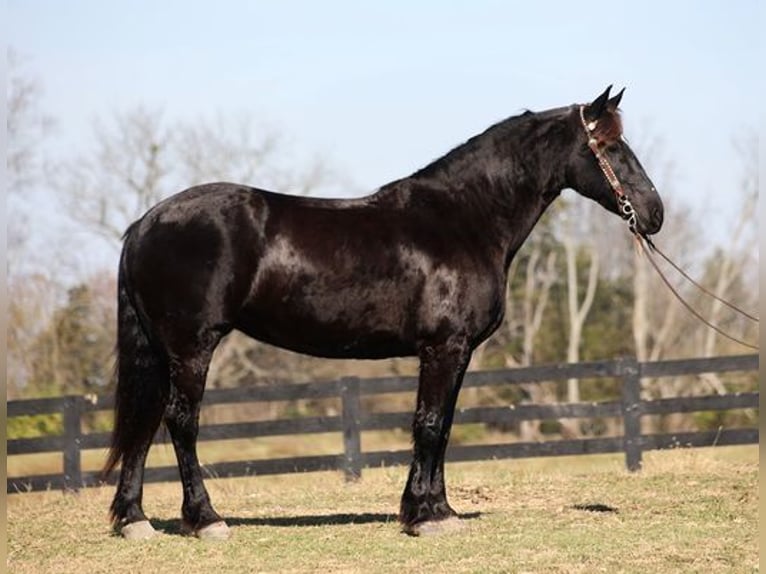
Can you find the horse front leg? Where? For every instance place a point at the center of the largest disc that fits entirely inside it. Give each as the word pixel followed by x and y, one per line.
pixel 424 501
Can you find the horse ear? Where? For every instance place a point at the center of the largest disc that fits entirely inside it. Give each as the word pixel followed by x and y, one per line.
pixel 598 106
pixel 614 102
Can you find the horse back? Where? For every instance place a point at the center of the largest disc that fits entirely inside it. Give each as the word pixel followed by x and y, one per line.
pixel 336 278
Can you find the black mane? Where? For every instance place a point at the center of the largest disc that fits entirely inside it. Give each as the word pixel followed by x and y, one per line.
pixel 499 138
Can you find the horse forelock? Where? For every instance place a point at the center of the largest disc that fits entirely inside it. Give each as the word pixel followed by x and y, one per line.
pixel 609 126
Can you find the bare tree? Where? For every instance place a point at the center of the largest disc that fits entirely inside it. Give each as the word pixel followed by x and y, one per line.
pixel 233 149
pixel 222 150
pixel 736 255
pixel 28 126
pixel 121 177
pixel 540 277
pixel 138 160
pixel 657 326
pixel 32 303
pixel 531 278
pixel 661 328
pixel 578 310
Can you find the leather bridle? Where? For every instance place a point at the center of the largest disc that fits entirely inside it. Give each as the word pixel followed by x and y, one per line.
pixel 624 207
pixel 626 211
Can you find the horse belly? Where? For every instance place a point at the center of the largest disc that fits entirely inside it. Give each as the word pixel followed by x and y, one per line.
pixel 332 320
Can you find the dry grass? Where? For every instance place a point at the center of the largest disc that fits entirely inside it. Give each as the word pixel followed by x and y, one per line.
pixel 688 511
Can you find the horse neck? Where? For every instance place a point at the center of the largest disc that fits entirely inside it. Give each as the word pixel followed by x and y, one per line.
pixel 502 180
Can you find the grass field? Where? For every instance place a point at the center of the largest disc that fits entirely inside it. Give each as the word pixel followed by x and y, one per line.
pixel 687 511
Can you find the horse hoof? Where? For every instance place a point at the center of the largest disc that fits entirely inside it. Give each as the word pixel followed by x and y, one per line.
pixel 434 527
pixel 215 531
pixel 141 530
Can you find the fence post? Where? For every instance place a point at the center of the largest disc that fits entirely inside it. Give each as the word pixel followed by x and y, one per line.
pixel 352 442
pixel 72 435
pixel 631 411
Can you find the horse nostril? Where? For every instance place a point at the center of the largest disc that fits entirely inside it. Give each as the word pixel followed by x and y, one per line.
pixel 656 217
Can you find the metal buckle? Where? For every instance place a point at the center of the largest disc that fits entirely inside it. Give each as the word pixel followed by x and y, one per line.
pixel 627 212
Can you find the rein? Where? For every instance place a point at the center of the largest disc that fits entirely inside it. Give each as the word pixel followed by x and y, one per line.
pixel 644 241
pixel 627 212
pixel 707 292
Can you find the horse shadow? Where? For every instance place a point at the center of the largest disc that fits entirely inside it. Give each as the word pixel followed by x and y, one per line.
pixel 337 519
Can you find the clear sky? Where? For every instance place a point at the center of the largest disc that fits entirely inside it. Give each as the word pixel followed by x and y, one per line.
pixel 381 88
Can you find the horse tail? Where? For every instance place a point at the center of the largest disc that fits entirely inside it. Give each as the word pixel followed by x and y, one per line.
pixel 142 375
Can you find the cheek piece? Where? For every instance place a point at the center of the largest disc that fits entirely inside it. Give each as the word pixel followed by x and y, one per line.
pixel 624 207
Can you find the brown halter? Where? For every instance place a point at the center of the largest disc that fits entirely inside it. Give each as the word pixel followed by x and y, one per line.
pixel 624 206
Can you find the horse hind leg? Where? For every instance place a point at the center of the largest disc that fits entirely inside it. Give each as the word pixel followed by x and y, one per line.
pixel 140 397
pixel 187 377
pixel 127 511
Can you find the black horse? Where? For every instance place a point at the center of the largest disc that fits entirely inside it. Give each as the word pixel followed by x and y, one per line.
pixel 418 268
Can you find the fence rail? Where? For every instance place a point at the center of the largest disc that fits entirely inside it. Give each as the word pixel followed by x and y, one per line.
pixel 353 420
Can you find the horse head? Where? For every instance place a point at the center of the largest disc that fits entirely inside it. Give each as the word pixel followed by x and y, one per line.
pixel 603 168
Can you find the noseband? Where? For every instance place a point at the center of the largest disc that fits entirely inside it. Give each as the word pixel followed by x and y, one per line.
pixel 624 207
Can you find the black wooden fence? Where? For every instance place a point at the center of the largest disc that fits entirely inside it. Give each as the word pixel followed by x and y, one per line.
pixel 352 421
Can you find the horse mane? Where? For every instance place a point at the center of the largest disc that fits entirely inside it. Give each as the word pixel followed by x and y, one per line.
pixel 503 131
pixel 510 134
